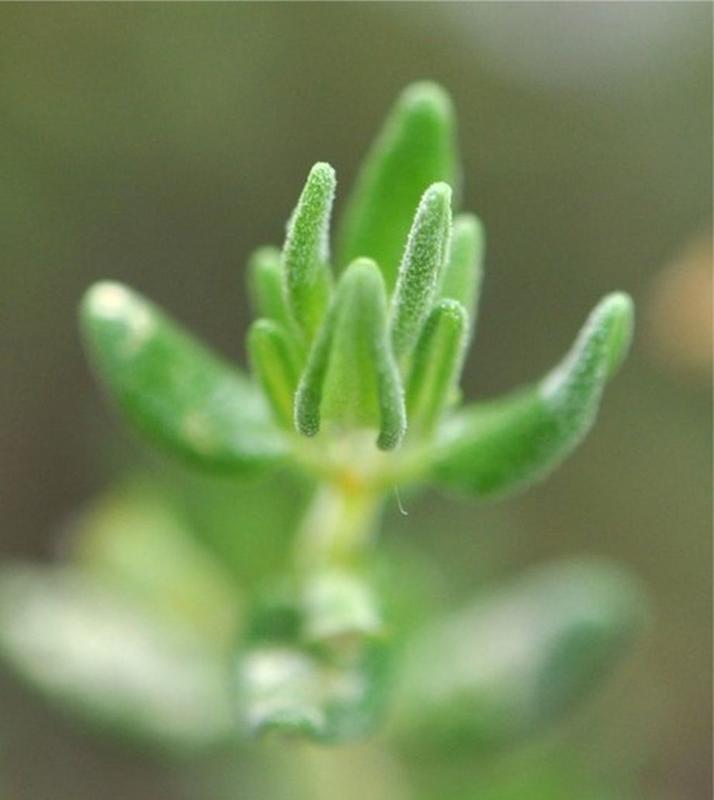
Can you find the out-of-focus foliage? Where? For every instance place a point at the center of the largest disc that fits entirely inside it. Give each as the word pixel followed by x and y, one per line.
pixel 128 154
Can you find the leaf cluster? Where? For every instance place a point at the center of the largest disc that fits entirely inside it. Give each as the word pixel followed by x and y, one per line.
pixel 368 341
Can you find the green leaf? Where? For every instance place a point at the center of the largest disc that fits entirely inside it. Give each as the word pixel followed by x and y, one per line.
pixel 415 149
pixel 436 366
pixel 276 362
pixel 306 250
pixel 134 538
pixel 173 389
pixel 351 380
pixel 519 656
pixel 267 285
pixel 463 273
pixel 419 272
pixel 326 692
pixel 494 447
pixel 93 652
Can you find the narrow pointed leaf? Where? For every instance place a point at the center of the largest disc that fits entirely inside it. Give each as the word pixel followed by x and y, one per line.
pixel 419 272
pixel 462 275
pixel 306 251
pixel 172 388
pixel 415 149
pixel 95 653
pixel 276 363
pixel 518 657
pixel 267 284
pixel 436 365
pixel 495 447
pixel 351 380
pixel 308 398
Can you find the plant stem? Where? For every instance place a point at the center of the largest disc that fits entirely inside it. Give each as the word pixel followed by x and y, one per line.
pixel 338 526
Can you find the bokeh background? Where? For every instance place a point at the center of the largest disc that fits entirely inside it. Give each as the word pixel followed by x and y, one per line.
pixel 159 144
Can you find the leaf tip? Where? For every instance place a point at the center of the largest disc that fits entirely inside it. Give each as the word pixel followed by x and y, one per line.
pixel 323 175
pixel 427 97
pixel 618 312
pixel 105 299
pixel 438 193
pixel 112 306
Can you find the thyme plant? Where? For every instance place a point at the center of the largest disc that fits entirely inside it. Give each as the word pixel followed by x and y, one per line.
pixel 355 361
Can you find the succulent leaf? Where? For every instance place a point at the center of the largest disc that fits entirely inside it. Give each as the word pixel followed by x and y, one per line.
pixel 95 652
pixel 134 538
pixel 415 149
pixel 351 380
pixel 172 388
pixel 306 250
pixel 436 366
pixel 419 272
pixel 519 656
pixel 276 362
pixel 266 282
pixel 463 273
pixel 494 447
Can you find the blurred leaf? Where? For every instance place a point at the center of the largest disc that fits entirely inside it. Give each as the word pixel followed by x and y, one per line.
pixel 328 691
pixel 491 448
pixel 247 526
pixel 534 773
pixel 415 149
pixel 275 361
pixel 289 690
pixel 463 273
pixel 93 652
pixel 134 538
pixel 519 657
pixel 266 283
pixel 172 388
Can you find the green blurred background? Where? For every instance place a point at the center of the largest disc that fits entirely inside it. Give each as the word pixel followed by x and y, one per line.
pixel 159 144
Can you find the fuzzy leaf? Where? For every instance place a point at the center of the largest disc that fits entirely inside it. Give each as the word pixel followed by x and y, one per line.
pixel 306 251
pixel 172 388
pixel 276 363
pixel 351 380
pixel 267 285
pixel 494 447
pixel 436 365
pixel 92 651
pixel 415 149
pixel 519 656
pixel 419 272
pixel 462 275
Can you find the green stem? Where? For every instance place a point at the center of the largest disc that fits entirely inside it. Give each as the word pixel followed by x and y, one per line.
pixel 338 526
